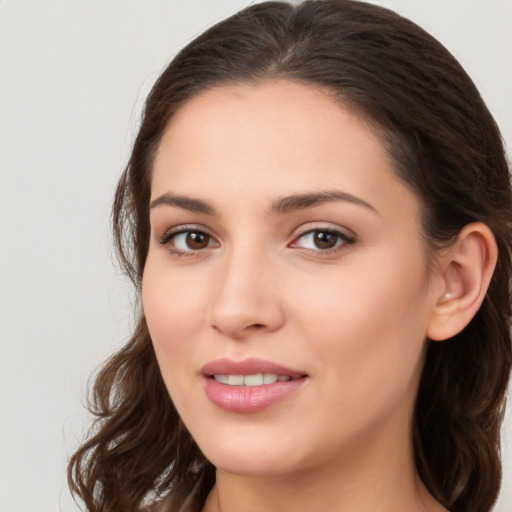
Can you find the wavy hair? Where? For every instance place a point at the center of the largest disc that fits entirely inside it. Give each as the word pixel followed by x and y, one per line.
pixel 445 146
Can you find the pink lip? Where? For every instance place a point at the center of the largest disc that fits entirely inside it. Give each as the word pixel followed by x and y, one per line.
pixel 247 367
pixel 248 399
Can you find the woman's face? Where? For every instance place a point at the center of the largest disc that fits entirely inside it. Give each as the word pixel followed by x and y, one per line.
pixel 284 247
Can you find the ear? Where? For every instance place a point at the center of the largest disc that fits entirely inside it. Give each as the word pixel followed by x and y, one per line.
pixel 465 271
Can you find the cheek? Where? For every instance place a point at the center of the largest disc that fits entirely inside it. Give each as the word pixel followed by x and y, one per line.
pixel 171 297
pixel 367 323
pixel 174 304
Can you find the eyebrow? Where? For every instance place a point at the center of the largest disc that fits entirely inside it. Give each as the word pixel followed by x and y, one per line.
pixel 302 201
pixel 185 202
pixel 279 206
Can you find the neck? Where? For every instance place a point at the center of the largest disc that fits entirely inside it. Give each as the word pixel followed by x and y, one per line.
pixel 378 478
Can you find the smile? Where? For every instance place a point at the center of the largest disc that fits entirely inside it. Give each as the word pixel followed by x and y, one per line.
pixel 251 385
pixel 258 379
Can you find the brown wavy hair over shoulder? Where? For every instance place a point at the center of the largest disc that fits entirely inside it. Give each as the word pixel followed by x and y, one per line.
pixel 446 147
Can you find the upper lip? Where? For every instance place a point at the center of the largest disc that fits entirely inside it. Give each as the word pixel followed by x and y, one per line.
pixel 249 366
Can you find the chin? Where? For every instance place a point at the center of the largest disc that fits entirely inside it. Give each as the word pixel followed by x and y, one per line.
pixel 250 465
pixel 250 456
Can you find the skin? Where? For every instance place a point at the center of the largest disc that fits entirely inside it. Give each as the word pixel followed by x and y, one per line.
pixel 354 318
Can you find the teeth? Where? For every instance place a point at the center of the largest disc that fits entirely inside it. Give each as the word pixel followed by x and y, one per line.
pixel 224 379
pixel 253 380
pixel 270 378
pixel 236 380
pixel 257 379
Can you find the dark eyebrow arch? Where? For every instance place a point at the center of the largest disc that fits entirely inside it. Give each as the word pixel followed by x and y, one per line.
pixel 302 201
pixel 185 202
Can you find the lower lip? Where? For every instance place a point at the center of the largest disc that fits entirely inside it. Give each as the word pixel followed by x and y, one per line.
pixel 247 399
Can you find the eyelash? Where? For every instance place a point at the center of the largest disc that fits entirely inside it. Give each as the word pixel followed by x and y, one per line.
pixel 343 239
pixel 170 235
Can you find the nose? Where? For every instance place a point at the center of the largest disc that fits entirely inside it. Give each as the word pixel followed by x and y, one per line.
pixel 247 298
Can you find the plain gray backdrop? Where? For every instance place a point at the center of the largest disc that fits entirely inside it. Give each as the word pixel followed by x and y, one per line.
pixel 73 76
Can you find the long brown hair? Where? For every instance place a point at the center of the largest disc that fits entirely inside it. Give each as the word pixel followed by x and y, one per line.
pixel 445 146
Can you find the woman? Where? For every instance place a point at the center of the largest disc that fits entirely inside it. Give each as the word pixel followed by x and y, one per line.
pixel 317 214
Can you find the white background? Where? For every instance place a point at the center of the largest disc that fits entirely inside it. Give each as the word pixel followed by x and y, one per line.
pixel 73 75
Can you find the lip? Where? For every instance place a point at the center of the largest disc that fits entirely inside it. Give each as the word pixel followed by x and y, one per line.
pixel 247 367
pixel 249 399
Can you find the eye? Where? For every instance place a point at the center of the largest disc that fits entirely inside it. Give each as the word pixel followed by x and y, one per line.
pixel 322 240
pixel 188 241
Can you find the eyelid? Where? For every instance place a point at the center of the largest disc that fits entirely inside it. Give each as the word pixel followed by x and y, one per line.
pixel 324 226
pixel 183 228
pixel 170 233
pixel 347 236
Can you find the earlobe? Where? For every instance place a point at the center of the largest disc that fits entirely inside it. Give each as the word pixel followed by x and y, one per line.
pixel 465 272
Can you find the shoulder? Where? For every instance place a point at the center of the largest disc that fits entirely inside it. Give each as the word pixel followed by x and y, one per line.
pixel 163 505
pixel 174 502
pixel 170 504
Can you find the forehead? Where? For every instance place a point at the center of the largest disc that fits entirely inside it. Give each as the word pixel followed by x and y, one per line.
pixel 271 139
pixel 281 113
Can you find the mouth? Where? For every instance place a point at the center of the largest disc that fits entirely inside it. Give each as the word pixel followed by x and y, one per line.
pixel 249 372
pixel 257 379
pixel 250 385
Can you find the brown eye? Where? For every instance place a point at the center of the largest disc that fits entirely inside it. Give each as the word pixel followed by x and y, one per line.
pixel 325 239
pixel 197 241
pixel 188 241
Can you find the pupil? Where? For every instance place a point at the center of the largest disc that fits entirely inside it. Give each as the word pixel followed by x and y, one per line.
pixel 197 240
pixel 325 240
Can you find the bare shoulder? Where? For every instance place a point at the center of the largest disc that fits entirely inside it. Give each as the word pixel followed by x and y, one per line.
pixel 171 505
pixel 159 506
